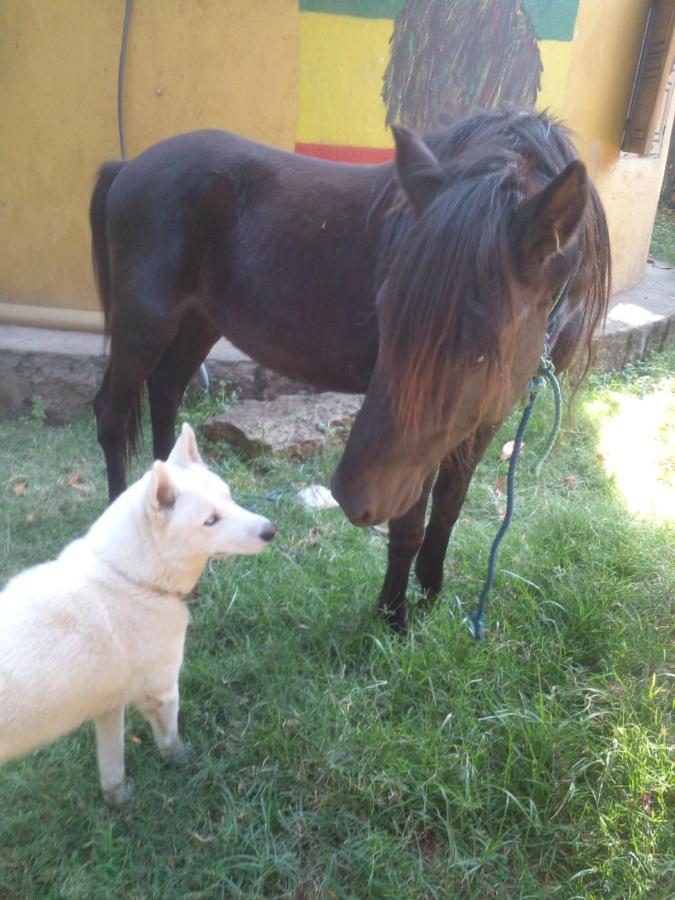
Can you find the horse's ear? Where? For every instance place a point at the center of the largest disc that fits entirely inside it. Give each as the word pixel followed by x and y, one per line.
pixel 544 223
pixel 419 172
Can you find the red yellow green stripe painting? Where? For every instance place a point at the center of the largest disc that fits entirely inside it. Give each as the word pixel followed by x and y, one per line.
pixel 423 63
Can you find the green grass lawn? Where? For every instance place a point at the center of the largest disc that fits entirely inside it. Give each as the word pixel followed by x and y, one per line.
pixel 663 237
pixel 333 760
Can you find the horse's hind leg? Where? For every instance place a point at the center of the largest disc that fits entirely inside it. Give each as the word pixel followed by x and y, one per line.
pixel 167 383
pixel 114 460
pixel 447 499
pixel 114 407
pixel 117 409
pixel 141 332
pixel 405 537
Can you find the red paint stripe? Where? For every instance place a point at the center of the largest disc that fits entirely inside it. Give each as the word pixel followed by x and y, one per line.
pixel 339 153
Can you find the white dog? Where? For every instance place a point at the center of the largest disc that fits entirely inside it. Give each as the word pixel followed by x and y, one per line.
pixel 104 625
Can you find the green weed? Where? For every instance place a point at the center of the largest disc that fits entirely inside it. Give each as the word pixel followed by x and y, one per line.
pixel 663 236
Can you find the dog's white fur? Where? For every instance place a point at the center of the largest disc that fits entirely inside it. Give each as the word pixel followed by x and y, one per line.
pixel 104 625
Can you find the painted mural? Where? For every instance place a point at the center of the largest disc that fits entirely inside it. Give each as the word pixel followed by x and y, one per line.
pixel 451 59
pixel 365 64
pixel 323 77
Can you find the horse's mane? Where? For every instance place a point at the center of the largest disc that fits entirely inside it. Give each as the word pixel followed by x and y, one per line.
pixel 452 270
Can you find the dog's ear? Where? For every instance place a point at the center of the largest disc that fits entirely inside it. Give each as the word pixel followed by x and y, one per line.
pixel 185 452
pixel 161 492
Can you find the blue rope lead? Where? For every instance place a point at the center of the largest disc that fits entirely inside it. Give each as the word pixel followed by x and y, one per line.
pixel 549 375
pixel 546 373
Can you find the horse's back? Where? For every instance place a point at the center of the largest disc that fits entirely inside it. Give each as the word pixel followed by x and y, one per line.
pixel 269 242
pixel 179 167
pixel 176 175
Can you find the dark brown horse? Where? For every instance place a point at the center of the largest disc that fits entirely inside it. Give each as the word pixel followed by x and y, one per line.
pixel 426 283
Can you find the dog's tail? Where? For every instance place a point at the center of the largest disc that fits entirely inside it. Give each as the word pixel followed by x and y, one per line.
pixel 99 234
pixel 101 263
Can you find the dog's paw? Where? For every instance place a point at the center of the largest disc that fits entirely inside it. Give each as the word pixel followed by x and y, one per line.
pixel 119 794
pixel 179 754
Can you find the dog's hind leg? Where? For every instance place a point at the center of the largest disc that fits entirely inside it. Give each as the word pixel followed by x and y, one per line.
pixel 167 384
pixel 110 753
pixel 162 714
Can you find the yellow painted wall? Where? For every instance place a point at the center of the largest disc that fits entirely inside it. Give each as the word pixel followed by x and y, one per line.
pixel 204 63
pixel 340 56
pixel 555 60
pixel 229 64
pixel 605 50
pixel 260 68
pixel 57 121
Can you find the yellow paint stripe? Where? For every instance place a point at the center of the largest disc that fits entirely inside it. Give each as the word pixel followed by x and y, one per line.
pixel 555 58
pixel 342 64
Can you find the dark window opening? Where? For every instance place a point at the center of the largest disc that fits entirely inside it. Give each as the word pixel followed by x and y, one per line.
pixel 654 84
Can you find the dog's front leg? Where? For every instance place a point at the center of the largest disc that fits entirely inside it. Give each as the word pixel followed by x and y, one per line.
pixel 162 714
pixel 110 753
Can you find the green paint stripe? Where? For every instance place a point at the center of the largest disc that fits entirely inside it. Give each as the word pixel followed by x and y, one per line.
pixel 362 9
pixel 552 20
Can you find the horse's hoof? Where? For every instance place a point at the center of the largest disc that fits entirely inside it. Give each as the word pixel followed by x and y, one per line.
pixel 397 619
pixel 430 579
pixel 399 624
pixel 428 598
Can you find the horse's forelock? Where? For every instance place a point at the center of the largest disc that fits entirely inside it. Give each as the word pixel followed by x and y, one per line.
pixel 447 298
pixel 448 277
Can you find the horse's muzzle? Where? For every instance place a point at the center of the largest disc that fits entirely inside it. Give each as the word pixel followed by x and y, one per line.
pixel 364 508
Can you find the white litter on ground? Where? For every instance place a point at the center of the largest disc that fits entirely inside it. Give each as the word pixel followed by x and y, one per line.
pixel 316 496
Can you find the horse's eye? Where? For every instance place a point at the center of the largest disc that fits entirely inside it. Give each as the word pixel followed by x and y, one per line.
pixel 479 360
pixel 212 519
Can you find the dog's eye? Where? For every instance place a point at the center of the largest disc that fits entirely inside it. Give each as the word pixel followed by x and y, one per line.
pixel 212 519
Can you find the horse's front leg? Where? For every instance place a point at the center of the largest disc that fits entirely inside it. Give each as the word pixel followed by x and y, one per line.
pixel 448 495
pixel 405 537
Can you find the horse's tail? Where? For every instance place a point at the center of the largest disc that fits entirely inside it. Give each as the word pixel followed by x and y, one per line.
pixel 99 238
pixel 101 262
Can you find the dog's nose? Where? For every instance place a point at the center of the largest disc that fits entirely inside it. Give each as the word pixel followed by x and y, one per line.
pixel 268 532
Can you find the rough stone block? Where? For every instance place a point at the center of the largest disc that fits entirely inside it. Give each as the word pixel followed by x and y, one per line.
pixel 292 426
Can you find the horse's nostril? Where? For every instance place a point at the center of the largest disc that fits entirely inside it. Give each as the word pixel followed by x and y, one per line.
pixel 352 502
pixel 268 532
pixel 364 518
